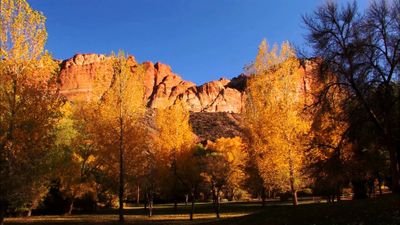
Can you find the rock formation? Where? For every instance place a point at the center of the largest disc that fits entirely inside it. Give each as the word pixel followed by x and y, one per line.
pixel 215 106
pixel 163 87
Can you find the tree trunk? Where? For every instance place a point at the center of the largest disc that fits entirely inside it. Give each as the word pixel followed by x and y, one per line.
pixel 338 198
pixel 371 188
pixel 394 170
pixel 216 201
pixel 192 195
pixel 2 218
pixel 3 208
pixel 138 196
pixel 294 197
pixel 186 199
pixel 175 183
pixel 218 205
pixel 29 213
pixel 398 143
pixel 263 197
pixel 121 174
pixel 338 193
pixel 150 204
pixel 380 186
pixel 359 189
pixel 292 180
pixel 398 167
pixel 70 207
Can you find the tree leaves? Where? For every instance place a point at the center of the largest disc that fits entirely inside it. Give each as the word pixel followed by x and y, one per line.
pixel 276 123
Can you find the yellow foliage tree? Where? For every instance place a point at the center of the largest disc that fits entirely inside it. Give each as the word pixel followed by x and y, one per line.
pixel 233 150
pixel 23 31
pixel 29 105
pixel 76 153
pixel 116 121
pixel 174 139
pixel 224 164
pixel 275 120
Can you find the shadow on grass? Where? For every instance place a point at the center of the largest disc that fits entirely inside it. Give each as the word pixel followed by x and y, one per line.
pixel 383 210
pixel 200 208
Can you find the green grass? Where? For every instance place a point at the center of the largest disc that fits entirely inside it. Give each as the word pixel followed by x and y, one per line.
pixel 380 211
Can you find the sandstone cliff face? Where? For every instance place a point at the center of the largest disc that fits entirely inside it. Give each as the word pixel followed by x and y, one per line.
pixel 163 87
pixel 215 106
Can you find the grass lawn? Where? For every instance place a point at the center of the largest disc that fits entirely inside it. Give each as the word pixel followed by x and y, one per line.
pixel 379 211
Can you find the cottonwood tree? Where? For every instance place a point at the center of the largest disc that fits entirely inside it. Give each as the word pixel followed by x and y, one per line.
pixel 223 168
pixel 148 174
pixel 362 50
pixel 189 173
pixel 115 123
pixel 253 181
pixel 215 168
pixel 275 119
pixel 142 171
pixel 233 150
pixel 76 154
pixel 29 105
pixel 174 139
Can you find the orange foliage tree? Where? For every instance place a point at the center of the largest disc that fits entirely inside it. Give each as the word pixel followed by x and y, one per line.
pixel 118 108
pixel 275 120
pixel 29 106
pixel 174 140
pixel 223 168
pixel 76 153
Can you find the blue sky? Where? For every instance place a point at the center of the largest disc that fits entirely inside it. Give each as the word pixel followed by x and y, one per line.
pixel 201 40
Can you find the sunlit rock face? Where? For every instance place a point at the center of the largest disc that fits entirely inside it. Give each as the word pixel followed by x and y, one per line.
pixel 214 96
pixel 166 88
pixel 162 87
pixel 215 106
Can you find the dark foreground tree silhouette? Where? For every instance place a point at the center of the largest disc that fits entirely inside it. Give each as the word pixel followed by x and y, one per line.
pixel 363 51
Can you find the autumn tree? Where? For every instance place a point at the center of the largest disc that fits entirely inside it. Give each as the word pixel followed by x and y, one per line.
pixel 362 50
pixel 75 153
pixel 189 172
pixel 254 184
pixel 118 111
pixel 275 118
pixel 233 150
pixel 223 168
pixel 215 167
pixel 330 151
pixel 29 105
pixel 142 172
pixel 147 176
pixel 174 139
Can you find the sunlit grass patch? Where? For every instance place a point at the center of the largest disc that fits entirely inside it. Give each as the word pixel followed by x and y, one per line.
pixel 163 214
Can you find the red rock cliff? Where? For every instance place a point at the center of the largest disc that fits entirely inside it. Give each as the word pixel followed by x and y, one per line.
pixel 163 87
